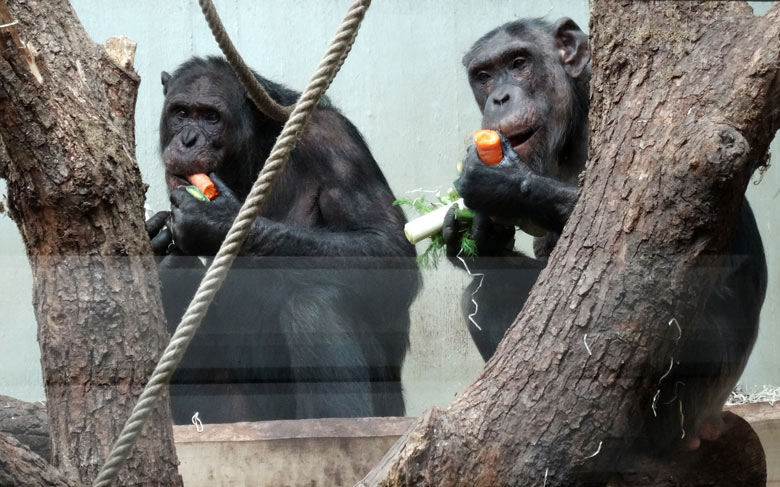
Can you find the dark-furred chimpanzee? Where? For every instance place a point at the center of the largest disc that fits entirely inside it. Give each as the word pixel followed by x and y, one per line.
pixel 530 79
pixel 313 319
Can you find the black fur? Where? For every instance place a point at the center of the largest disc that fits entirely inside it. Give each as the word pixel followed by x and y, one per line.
pixel 313 319
pixel 531 76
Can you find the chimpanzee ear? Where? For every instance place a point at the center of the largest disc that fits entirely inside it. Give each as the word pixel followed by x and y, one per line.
pixel 572 45
pixel 165 78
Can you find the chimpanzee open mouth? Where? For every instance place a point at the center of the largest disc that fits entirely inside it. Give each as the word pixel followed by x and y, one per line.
pixel 522 137
pixel 175 180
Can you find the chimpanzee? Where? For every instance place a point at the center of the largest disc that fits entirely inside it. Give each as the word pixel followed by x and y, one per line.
pixel 313 319
pixel 530 79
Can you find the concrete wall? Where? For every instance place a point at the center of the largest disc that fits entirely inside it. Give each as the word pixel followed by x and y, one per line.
pixel 402 85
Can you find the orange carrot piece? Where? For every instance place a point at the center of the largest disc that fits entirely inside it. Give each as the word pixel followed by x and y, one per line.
pixel 204 184
pixel 488 146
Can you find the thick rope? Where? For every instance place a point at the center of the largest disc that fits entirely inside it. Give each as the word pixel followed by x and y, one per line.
pixel 216 273
pixel 254 89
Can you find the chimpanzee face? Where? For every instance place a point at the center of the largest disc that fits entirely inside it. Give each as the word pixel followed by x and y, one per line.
pixel 522 81
pixel 194 125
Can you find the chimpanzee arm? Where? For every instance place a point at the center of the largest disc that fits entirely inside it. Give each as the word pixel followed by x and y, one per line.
pixel 357 219
pixel 159 235
pixel 348 206
pixel 352 224
pixel 352 210
pixel 274 238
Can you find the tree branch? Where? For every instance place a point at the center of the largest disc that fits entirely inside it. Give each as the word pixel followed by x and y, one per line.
pixel 22 468
pixel 27 423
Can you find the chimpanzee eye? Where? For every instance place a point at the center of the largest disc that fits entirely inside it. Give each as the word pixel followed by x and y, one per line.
pixel 211 116
pixel 182 113
pixel 483 76
pixel 519 62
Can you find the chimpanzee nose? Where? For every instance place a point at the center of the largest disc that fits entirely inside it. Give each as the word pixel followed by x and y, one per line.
pixel 189 137
pixel 501 99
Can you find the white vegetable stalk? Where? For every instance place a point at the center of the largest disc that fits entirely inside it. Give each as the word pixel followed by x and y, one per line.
pixel 428 224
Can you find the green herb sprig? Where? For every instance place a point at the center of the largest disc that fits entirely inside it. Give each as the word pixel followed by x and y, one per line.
pixel 435 251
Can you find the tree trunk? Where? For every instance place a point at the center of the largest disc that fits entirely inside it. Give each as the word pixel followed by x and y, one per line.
pixel 685 100
pixel 75 191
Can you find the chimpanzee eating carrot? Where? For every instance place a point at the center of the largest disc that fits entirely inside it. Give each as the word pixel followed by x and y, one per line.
pixel 530 79
pixel 313 319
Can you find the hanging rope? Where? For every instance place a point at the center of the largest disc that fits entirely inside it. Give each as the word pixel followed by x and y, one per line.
pixel 216 273
pixel 254 89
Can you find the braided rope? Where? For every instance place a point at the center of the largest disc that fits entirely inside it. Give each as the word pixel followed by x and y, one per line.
pixel 254 89
pixel 216 273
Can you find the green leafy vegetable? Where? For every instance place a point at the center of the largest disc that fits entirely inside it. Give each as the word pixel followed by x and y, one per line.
pixel 435 251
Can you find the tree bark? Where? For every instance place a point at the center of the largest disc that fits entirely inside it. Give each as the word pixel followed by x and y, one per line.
pixel 75 191
pixel 27 423
pixel 20 467
pixel 685 100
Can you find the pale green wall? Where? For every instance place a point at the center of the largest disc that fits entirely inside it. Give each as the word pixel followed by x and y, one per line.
pixel 403 86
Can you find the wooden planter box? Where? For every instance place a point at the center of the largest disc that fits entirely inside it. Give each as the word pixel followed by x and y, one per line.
pixel 306 452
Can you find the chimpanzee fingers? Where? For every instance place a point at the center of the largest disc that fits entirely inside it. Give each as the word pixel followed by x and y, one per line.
pixel 156 222
pixel 506 146
pixel 450 233
pixel 162 241
pixel 181 197
pixel 471 159
pixel 179 227
pixel 510 156
pixel 480 232
pixel 491 238
pixel 223 188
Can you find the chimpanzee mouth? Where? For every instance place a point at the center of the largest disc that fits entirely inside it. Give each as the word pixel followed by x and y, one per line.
pixel 175 180
pixel 520 138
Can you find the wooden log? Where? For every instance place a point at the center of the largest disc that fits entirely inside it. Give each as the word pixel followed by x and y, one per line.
pixel 20 467
pixel 28 423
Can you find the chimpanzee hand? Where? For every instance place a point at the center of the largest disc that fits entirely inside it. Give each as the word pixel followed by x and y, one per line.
pixel 199 227
pixel 492 239
pixel 159 234
pixel 494 190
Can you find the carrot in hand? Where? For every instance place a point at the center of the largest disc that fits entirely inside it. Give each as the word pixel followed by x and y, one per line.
pixel 204 184
pixel 489 151
pixel 488 146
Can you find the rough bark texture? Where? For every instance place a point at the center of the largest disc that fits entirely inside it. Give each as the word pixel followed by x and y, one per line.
pixel 26 422
pixel 19 467
pixel 685 100
pixel 75 191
